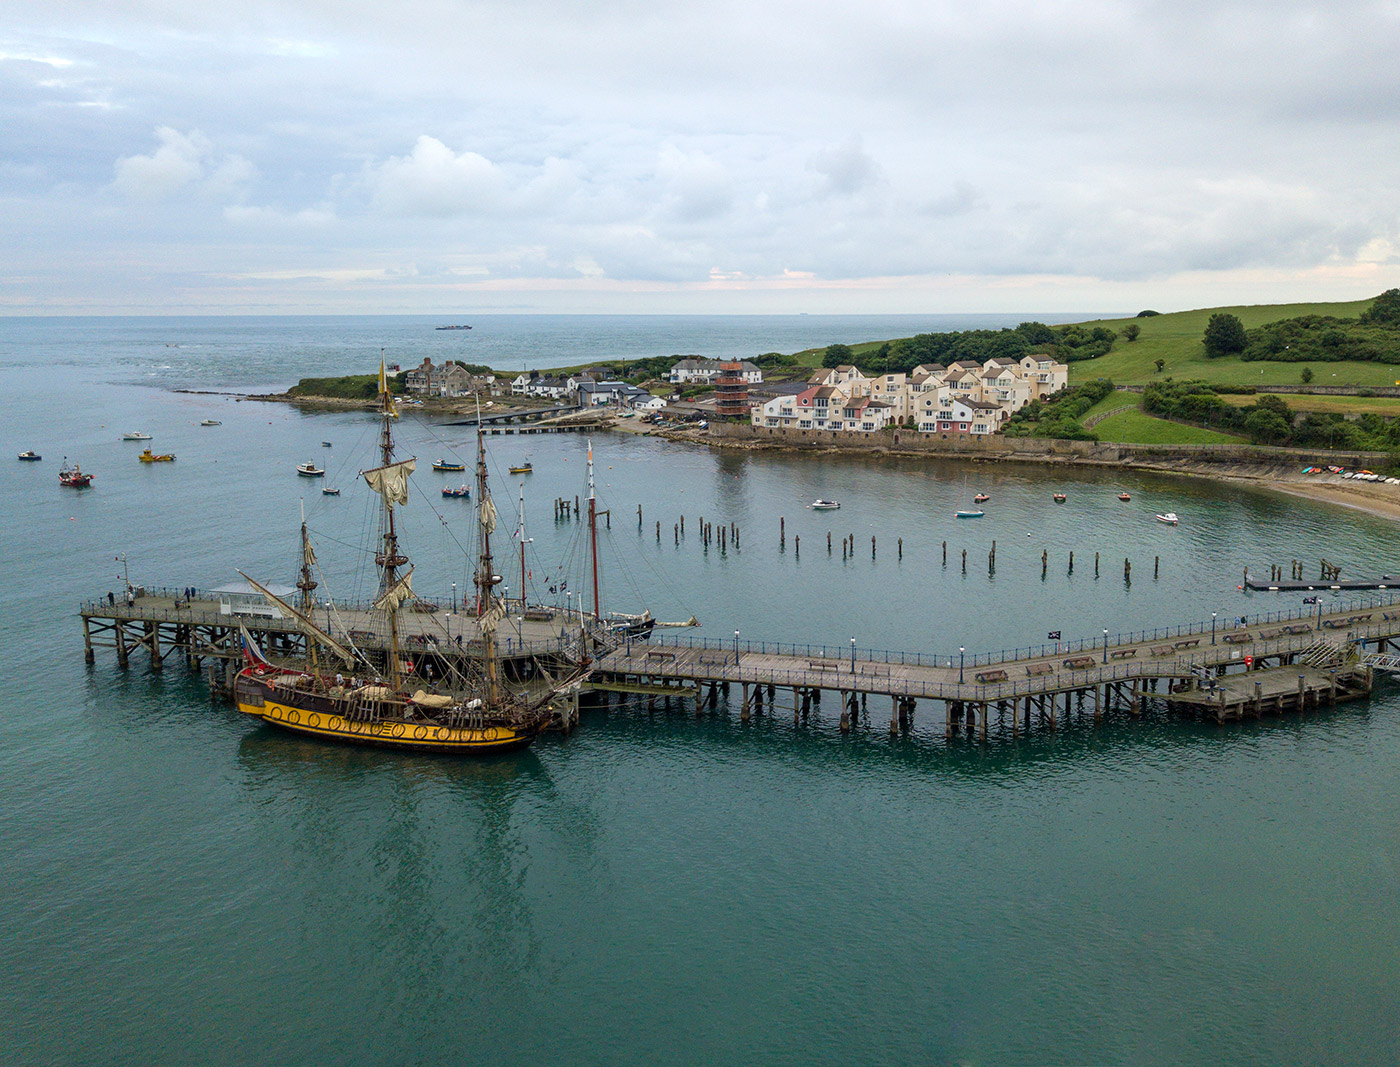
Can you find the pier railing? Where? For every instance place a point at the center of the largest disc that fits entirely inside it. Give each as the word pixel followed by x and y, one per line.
pixel 1219 626
pixel 863 678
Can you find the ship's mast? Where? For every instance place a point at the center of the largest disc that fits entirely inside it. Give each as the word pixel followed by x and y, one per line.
pixel 593 534
pixel 486 577
pixel 523 542
pixel 389 558
pixel 307 584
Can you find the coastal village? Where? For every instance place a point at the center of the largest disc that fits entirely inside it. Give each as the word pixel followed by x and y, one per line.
pixel 964 397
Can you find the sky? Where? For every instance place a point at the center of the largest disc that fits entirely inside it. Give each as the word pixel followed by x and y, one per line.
pixel 696 156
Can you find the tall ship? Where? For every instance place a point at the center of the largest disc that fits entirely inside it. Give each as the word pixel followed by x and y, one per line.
pixel 475 710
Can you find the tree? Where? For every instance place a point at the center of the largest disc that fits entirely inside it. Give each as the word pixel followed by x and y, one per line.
pixel 1266 427
pixel 838 355
pixel 1131 331
pixel 1307 375
pixel 1224 335
pixel 1160 364
pixel 1385 311
pixel 1147 314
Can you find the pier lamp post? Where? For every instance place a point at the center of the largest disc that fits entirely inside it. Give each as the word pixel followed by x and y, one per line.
pixel 736 648
pixel 962 652
pixel 853 655
pixel 1105 644
pixel 454 598
pixel 1212 627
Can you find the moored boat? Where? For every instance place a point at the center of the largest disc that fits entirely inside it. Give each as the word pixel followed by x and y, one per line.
pixel 1124 497
pixel 447 465
pixel 73 476
pixel 136 435
pixel 156 457
pixel 30 456
pixel 1168 517
pixel 461 491
pixel 328 491
pixel 211 422
pixel 522 468
pixel 969 514
pixel 823 505
pixel 1059 498
pixel 981 498
pixel 310 470
pixel 480 713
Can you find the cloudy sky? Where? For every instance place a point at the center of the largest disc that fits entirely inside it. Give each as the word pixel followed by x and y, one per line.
pixel 721 156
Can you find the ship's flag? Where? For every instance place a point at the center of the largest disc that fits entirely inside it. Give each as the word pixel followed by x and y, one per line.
pixel 252 655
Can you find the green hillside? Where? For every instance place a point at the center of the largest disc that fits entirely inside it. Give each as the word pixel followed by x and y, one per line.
pixel 1175 338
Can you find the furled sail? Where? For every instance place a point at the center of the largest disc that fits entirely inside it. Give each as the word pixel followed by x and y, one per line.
pixel 491 618
pixel 389 407
pixel 396 594
pixel 308 627
pixel 488 515
pixel 391 482
pixel 308 555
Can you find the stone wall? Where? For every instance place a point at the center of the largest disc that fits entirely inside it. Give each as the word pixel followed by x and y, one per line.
pixel 1034 449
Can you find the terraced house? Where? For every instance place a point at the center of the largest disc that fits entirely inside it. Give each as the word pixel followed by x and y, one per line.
pixel 963 398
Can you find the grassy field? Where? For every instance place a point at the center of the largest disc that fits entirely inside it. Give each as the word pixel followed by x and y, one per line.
pixel 1135 428
pixel 1176 339
pixel 1116 399
pixel 1332 405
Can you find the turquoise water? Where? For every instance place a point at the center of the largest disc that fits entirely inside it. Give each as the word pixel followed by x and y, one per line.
pixel 182 886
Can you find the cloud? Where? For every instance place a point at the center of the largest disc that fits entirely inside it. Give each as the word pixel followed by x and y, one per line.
pixel 436 182
pixel 847 168
pixel 174 165
pixel 182 161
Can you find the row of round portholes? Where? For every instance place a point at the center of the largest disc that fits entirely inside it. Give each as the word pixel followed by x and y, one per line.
pixel 420 733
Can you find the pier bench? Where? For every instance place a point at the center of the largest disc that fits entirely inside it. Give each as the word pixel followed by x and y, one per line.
pixel 991 676
pixel 1268 635
pixel 1034 669
pixel 1163 650
pixel 1390 616
pixel 1122 653
pixel 1298 628
pixel 1238 639
pixel 659 656
pixel 1335 624
pixel 1192 643
pixel 1079 663
pixel 1360 618
pixel 822 665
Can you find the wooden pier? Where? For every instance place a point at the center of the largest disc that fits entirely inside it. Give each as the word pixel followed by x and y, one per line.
pixel 161 623
pixel 1279 663
pixel 1288 662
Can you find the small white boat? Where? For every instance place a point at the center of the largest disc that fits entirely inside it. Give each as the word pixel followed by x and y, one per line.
pixel 328 491
pixel 212 422
pixel 136 435
pixel 969 514
pixel 310 470
pixel 823 505
pixel 1169 518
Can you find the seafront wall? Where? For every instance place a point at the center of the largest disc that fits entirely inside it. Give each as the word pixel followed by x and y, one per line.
pixel 1039 449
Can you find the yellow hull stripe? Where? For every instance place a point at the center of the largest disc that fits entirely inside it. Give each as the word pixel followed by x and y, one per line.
pixel 405 735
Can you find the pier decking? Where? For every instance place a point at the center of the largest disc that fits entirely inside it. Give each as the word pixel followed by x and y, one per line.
pixel 162 622
pixel 1278 662
pixel 1298 660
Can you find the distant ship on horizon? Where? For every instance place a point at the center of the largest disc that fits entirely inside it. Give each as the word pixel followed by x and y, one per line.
pixel 452 327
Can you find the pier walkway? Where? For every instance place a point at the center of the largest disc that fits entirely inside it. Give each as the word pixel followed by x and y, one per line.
pixel 1122 669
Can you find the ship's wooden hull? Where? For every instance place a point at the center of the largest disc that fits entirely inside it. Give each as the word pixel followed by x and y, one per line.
pixel 318 717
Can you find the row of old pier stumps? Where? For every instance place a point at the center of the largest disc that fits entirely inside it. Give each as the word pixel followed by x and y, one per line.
pixel 726 535
pixel 962 716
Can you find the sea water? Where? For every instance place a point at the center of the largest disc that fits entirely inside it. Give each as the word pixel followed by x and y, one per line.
pixel 183 885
